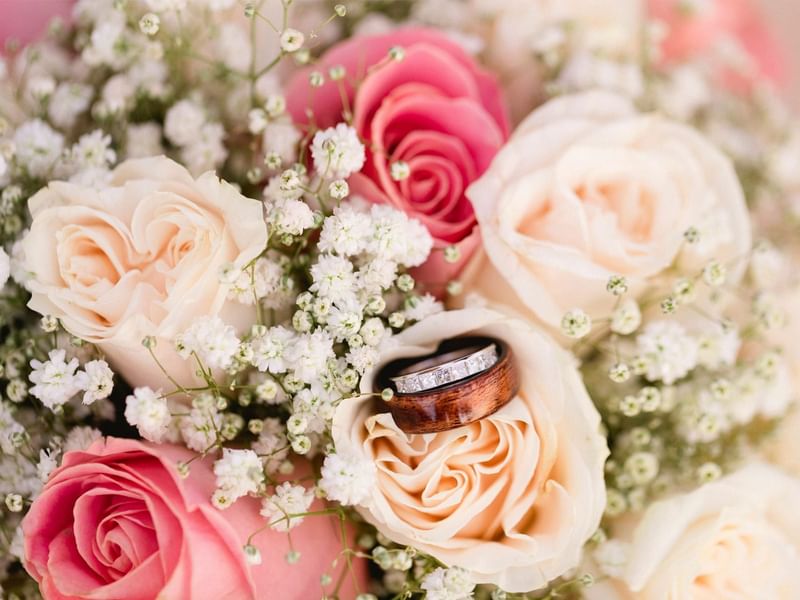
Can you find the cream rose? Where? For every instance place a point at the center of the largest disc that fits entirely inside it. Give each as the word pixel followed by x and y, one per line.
pixel 140 258
pixel 513 497
pixel 587 188
pixel 737 538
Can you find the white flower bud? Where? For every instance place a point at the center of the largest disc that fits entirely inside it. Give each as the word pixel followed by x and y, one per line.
pixel 292 40
pixel 399 170
pixel 252 555
pixel 714 273
pixel 149 24
pixel 576 323
pixel 626 318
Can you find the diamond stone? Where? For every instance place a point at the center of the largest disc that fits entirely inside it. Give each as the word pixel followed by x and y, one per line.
pixel 459 370
pixel 427 380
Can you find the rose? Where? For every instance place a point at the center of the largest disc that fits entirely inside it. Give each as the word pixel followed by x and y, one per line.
pixel 117 521
pixel 25 20
pixel 434 110
pixel 587 188
pixel 140 258
pixel 511 498
pixel 713 27
pixel 736 538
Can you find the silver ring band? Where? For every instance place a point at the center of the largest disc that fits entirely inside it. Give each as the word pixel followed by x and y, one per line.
pixel 445 369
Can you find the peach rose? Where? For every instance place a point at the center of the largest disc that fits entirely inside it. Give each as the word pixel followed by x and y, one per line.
pixel 117 521
pixel 587 188
pixel 737 538
pixel 140 258
pixel 511 498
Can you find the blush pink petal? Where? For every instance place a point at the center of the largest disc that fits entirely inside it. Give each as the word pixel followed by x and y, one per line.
pixel 117 522
pixel 27 20
pixel 692 34
pixel 360 53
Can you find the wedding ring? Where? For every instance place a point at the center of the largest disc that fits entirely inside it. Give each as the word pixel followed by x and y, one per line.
pixel 465 380
pixel 442 369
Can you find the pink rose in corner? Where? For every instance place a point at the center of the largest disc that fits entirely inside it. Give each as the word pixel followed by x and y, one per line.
pixel 434 110
pixel 117 521
pixel 694 28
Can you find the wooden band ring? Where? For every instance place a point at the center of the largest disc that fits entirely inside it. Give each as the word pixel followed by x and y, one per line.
pixel 458 403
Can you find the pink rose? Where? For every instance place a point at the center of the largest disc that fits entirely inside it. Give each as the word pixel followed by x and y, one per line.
pixel 693 33
pixel 435 109
pixel 27 20
pixel 117 521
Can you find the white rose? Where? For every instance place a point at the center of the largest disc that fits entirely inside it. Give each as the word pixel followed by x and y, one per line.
pixel 140 258
pixel 511 498
pixel 737 538
pixel 587 188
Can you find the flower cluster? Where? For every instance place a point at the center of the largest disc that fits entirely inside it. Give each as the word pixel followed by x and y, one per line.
pixel 219 220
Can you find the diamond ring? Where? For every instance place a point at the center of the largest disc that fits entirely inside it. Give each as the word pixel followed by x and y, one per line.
pixel 465 380
pixel 445 368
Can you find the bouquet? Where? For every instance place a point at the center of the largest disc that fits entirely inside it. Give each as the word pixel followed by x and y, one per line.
pixel 439 299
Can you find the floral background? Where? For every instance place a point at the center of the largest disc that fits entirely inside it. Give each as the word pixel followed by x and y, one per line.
pixel 401 204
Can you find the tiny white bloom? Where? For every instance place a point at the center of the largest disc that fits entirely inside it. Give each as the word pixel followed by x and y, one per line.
pixel 576 323
pixel 287 500
pixel 38 147
pixel 47 463
pixel 337 152
pixel 719 349
pixel 5 267
pixel 291 40
pixel 92 150
pixel 345 232
pixel 238 473
pixel 626 318
pixel 448 584
pixel 68 102
pixel 269 350
pixel 207 150
pixel 339 189
pixel 199 429
pixel 214 342
pixel 55 381
pixel 147 410
pixel 347 478
pixel 309 354
pixel 288 216
pixel 183 121
pixel 80 438
pixel 9 429
pixel 398 238
pixel 670 351
pixel 281 139
pixel 363 358
pixel 272 445
pixel 98 381
pixel 333 278
pixel 422 307
pixel 343 323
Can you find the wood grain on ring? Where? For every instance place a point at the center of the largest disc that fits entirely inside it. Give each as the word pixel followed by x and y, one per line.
pixel 459 403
